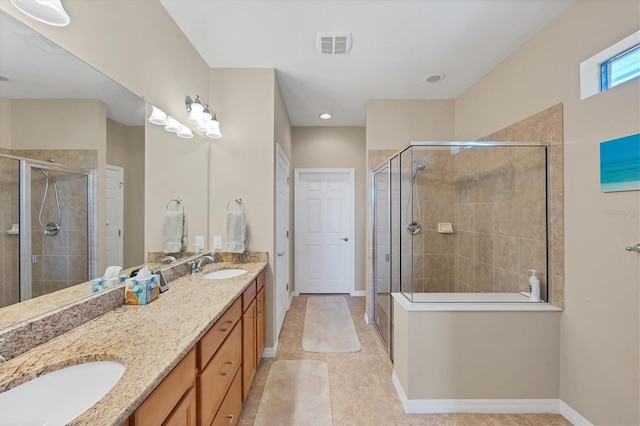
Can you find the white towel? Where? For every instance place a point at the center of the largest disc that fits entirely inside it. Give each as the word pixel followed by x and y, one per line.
pixel 236 232
pixel 174 231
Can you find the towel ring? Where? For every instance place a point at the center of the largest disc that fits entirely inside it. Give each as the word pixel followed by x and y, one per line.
pixel 238 200
pixel 178 201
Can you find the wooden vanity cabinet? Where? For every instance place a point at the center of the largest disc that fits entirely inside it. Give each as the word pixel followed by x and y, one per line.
pixel 210 383
pixel 163 402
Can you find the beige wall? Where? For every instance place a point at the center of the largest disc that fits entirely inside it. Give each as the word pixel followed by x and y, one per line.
pixel 5 123
pixel 174 167
pixel 600 327
pixel 477 355
pixel 394 123
pixel 242 161
pixel 125 148
pixel 338 147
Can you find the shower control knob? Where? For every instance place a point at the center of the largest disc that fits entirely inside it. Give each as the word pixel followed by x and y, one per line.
pixel 345 239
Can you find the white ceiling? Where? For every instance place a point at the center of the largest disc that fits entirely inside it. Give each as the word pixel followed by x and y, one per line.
pixel 396 44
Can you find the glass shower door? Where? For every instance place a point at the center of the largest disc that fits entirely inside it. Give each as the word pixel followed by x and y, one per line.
pixel 382 253
pixel 56 255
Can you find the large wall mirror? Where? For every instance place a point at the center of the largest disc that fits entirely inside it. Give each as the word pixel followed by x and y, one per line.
pixel 84 178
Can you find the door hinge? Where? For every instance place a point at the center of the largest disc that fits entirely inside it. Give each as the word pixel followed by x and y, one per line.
pixel 287 234
pixel 119 232
pixel 287 286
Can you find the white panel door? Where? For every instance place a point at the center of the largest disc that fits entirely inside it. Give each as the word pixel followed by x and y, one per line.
pixel 282 237
pixel 115 215
pixel 324 224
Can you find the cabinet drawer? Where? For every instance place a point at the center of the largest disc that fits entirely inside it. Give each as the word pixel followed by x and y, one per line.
pixel 231 406
pixel 211 341
pixel 260 280
pixel 157 407
pixel 248 295
pixel 215 379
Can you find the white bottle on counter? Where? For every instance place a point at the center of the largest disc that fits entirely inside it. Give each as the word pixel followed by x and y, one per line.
pixel 534 287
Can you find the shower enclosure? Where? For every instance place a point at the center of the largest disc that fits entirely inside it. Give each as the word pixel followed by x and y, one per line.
pixel 46 218
pixel 459 222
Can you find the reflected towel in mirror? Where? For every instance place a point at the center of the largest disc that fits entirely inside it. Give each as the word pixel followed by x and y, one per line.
pixel 174 231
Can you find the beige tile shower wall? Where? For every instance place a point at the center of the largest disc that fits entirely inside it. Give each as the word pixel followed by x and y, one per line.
pixel 433 252
pixel 8 243
pixel 543 127
pixel 500 218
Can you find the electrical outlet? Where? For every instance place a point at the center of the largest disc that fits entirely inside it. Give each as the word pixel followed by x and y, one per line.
pixel 217 242
pixel 199 243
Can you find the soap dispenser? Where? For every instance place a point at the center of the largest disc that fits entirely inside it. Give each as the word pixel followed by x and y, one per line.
pixel 534 287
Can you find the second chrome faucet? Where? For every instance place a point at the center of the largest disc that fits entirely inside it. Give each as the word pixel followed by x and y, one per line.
pixel 197 264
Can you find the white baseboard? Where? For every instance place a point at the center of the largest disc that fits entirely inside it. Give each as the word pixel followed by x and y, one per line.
pixel 572 415
pixel 512 406
pixel 270 352
pixel 366 318
pixel 358 293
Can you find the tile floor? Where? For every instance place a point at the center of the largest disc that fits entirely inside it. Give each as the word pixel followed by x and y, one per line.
pixel 361 389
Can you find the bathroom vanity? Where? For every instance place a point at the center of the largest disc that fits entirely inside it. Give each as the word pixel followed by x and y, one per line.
pixel 190 356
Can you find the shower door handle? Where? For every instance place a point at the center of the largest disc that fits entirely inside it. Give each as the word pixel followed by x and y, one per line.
pixel 345 239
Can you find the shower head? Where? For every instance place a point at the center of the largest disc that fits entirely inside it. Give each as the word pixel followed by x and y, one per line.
pixel 419 167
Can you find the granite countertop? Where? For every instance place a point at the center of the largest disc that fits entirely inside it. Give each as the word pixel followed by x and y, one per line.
pixel 150 340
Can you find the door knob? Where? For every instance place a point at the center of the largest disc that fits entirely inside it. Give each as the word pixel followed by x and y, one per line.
pixel 345 239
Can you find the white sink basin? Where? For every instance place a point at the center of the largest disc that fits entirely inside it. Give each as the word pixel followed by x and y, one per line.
pixel 224 273
pixel 59 397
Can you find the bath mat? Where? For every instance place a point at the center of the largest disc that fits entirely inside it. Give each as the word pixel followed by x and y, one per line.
pixel 328 326
pixel 296 393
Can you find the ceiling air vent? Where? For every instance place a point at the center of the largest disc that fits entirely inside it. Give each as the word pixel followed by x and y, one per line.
pixel 334 43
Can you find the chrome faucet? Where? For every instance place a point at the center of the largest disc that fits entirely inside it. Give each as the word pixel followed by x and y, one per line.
pixel 171 259
pixel 204 260
pixel 197 264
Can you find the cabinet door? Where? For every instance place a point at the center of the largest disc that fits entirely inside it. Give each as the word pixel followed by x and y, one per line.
pixel 159 405
pixel 185 413
pixel 248 348
pixel 215 379
pixel 260 325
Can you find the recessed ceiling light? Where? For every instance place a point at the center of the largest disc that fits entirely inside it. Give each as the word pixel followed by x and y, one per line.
pixel 434 78
pixel 325 116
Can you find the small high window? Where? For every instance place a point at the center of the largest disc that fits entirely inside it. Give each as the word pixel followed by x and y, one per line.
pixel 610 67
pixel 620 68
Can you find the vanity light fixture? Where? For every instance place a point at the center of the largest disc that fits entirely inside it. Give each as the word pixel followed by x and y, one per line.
pixel 184 132
pixel 48 12
pixel 158 117
pixel 172 126
pixel 204 119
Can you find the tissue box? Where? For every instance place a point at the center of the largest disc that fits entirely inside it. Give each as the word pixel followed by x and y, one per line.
pixel 103 283
pixel 141 292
